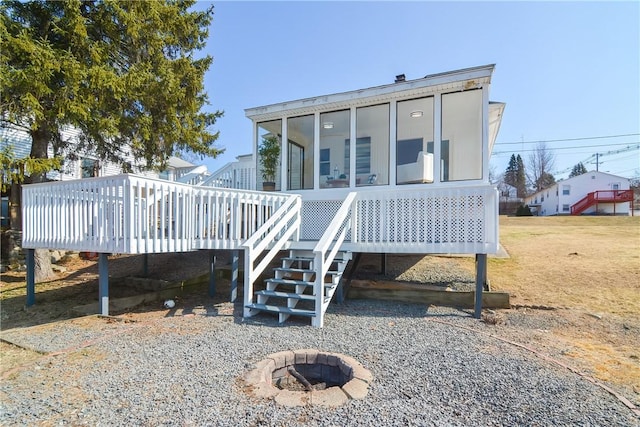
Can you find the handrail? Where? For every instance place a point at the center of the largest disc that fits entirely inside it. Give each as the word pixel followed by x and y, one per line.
pixel 276 231
pixel 330 241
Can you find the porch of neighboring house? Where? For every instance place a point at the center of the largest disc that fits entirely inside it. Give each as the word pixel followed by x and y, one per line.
pixel 603 197
pixel 398 199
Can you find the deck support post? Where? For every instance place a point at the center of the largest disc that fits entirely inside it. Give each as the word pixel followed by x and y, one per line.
pixel 234 275
pixel 31 277
pixel 212 276
pixel 103 283
pixel 481 277
pixel 145 265
pixel 383 264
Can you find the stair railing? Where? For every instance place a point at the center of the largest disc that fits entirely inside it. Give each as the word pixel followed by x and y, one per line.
pixel 326 249
pixel 583 204
pixel 283 225
pixel 238 175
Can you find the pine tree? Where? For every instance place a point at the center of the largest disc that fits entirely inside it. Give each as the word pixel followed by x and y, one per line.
pixel 122 72
pixel 511 173
pixel 578 169
pixel 521 178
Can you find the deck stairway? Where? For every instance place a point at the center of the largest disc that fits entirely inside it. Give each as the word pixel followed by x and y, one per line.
pixel 605 196
pixel 291 291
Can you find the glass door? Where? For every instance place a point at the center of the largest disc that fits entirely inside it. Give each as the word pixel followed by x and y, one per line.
pixel 296 166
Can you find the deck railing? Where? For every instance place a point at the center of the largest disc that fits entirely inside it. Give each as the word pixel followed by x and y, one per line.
pixel 76 215
pixel 132 214
pixel 424 220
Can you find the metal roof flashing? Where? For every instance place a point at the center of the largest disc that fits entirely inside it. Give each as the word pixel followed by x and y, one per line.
pixel 464 79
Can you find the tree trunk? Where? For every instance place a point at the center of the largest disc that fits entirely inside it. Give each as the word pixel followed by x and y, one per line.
pixel 15 213
pixel 39 143
pixel 43 270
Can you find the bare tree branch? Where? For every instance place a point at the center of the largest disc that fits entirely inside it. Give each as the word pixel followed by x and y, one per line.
pixel 541 162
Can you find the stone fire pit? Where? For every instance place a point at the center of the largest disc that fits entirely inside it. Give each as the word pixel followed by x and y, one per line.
pixel 303 377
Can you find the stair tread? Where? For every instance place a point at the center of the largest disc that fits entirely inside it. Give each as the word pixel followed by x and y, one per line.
pixel 296 282
pixel 309 258
pixel 290 282
pixel 279 309
pixel 280 294
pixel 303 270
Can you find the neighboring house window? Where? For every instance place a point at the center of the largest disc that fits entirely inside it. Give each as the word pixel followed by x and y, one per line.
pixel 89 168
pixel 536 201
pixel 565 208
pixel 566 190
pixel 556 208
pixel 615 186
pixel 593 177
pixel 325 161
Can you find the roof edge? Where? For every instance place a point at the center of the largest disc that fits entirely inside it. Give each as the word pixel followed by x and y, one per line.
pixel 484 71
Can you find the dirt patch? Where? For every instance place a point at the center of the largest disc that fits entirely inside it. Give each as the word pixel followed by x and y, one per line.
pixel 79 285
pixel 13 355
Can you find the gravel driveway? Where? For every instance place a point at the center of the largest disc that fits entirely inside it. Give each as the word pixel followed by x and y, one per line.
pixel 185 369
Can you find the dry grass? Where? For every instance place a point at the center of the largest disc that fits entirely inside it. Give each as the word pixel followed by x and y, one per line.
pixel 589 268
pixel 586 263
pixel 12 356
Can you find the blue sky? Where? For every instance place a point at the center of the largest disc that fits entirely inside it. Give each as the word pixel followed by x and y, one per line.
pixel 565 69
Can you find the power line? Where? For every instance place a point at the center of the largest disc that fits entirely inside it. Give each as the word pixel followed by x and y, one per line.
pixel 597 156
pixel 567 139
pixel 630 145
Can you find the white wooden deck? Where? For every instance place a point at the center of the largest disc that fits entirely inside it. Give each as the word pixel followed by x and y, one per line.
pixel 129 214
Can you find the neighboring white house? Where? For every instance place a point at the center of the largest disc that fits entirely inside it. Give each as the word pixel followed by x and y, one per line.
pixel 595 193
pixel 508 193
pixel 86 164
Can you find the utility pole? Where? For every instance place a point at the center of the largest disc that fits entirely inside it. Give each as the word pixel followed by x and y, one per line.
pixel 597 162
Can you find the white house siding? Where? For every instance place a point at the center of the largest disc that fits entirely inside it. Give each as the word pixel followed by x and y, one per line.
pixel 553 201
pixel 20 141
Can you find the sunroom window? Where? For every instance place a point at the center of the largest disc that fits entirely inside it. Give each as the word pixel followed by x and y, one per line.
pixel 372 145
pixel 300 153
pixel 414 135
pixel 334 161
pixel 461 140
pixel 270 131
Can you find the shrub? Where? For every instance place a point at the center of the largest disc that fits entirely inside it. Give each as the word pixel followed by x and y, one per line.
pixel 523 210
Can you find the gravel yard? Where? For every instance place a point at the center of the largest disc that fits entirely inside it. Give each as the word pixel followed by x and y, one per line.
pixel 184 367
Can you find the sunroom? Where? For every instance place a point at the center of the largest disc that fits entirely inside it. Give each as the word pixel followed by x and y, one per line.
pixel 438 130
